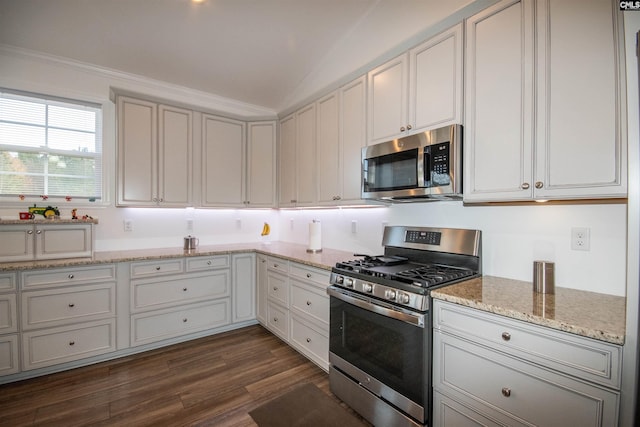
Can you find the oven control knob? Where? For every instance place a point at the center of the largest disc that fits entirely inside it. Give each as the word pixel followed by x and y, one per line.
pixel 339 280
pixel 390 294
pixel 348 282
pixel 403 298
pixel 367 287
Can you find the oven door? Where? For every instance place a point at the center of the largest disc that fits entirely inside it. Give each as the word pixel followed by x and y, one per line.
pixel 381 348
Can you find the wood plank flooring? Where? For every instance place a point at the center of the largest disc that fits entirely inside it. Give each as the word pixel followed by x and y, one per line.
pixel 212 381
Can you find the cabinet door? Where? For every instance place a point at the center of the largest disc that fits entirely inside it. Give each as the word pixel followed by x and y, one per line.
pixel 287 162
pixel 63 241
pixel 328 149
pixel 498 103
pixel 261 288
pixel 137 152
pixel 306 192
pixel 580 145
pixel 435 81
pixel 244 284
pixel 261 165
pixel 223 173
pixel 17 242
pixel 174 156
pixel 353 137
pixel 388 90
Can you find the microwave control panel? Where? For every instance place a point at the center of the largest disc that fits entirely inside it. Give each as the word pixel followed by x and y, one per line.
pixel 439 161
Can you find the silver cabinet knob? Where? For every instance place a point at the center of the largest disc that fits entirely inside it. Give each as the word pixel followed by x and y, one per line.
pixel 30 232
pixel 71 305
pixel 308 275
pixel 184 320
pixel 506 392
pixel 525 186
pixel 158 268
pixel 308 302
pixel 184 289
pixel 408 127
pixel 308 339
pixel 38 231
pixel 506 336
pixel 71 276
pixel 539 184
pixel 402 129
pixel 72 343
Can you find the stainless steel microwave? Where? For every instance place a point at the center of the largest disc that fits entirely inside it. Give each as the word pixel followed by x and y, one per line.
pixel 417 167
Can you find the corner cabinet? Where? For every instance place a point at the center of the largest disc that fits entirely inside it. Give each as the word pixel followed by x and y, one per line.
pixel 492 370
pixel 417 90
pixel 537 126
pixel 154 154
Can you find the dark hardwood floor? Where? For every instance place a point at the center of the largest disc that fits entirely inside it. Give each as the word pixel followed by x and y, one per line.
pixel 212 381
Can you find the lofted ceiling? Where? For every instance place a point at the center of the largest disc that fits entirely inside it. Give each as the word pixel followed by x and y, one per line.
pixel 253 51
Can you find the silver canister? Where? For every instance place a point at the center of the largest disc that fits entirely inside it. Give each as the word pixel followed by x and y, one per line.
pixel 190 243
pixel 544 277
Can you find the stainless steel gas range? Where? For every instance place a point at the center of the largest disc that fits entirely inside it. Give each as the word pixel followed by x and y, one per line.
pixel 380 320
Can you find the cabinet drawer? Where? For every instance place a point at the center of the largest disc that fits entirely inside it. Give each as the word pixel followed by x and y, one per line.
pixel 310 274
pixel 207 263
pixel 311 341
pixel 163 324
pixel 586 358
pixel 68 305
pixel 68 276
pixel 7 282
pixel 278 288
pixel 156 268
pixel 521 390
pixel 310 302
pixel 8 316
pixel 278 321
pixel 278 264
pixel 9 362
pixel 52 346
pixel 167 291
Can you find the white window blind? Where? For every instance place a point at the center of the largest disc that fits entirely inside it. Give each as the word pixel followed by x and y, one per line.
pixel 49 147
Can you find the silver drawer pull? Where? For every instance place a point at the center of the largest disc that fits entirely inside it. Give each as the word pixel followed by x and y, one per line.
pixel 275 288
pixel 506 392
pixel 275 319
pixel 308 275
pixel 71 305
pixel 506 336
pixel 208 262
pixel 72 343
pixel 276 265
pixel 158 268
pixel 71 276
pixel 308 339
pixel 308 302
pixel 184 320
pixel 184 289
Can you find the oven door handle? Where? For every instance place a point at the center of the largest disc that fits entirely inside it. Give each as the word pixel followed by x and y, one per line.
pixel 415 319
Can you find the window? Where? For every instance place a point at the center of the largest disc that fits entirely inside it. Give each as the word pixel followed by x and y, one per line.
pixel 49 147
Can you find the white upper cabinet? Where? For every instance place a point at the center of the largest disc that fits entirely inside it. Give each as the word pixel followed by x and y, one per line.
pixel 388 90
pixel 154 154
pixel 287 162
pixel 328 149
pixel 353 136
pixel 418 90
pixel 543 123
pixel 261 165
pixel 223 166
pixel 306 192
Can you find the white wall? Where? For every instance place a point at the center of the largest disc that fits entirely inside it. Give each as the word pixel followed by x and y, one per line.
pixel 513 236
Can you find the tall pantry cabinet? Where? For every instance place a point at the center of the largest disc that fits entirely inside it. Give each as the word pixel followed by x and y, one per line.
pixel 544 97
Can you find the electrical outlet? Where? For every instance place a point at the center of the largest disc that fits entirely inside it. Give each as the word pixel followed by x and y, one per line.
pixel 580 239
pixel 128 225
pixel 190 225
pixel 354 226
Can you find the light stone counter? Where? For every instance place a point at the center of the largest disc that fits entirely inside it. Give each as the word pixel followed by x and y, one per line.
pixel 588 314
pixel 291 251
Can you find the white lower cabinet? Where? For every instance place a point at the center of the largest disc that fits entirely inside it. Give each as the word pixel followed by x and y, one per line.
pixel 526 375
pixel 297 306
pixel 9 356
pixel 243 272
pixel 175 297
pixel 67 314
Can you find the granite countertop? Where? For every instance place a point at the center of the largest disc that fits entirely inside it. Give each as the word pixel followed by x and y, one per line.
pixel 589 314
pixel 41 220
pixel 291 251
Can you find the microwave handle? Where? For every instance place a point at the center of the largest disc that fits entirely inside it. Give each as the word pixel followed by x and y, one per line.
pixel 426 167
pixel 411 318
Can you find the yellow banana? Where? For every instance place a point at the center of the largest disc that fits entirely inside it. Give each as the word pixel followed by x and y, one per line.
pixel 266 229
